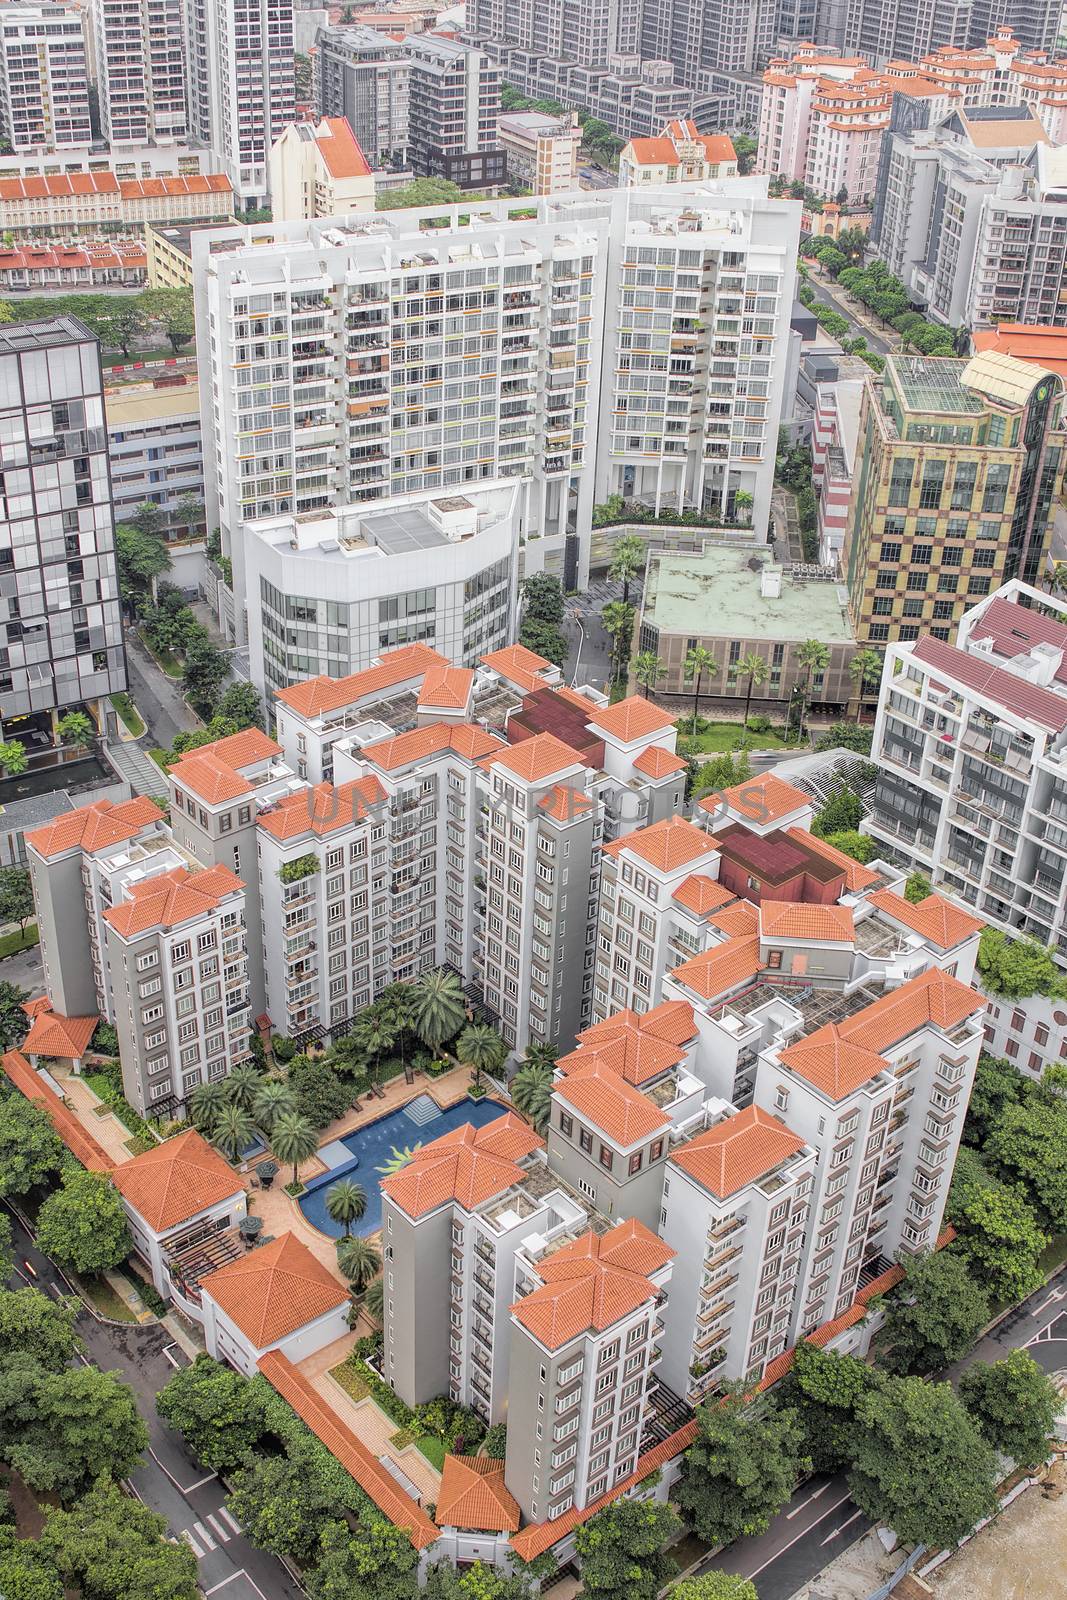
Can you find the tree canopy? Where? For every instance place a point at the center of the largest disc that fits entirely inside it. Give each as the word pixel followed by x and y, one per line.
pixel 219 1414
pixel 934 1315
pixel 29 1146
pixel 113 1548
pixel 1017 968
pixel 741 1468
pixel 374 1560
pixel 1014 1405
pixel 61 1430
pixel 997 1233
pixel 620 1550
pixel 83 1224
pixel 825 1388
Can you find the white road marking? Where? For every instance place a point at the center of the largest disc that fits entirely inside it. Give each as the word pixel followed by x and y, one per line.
pixel 803 1534
pixel 805 1503
pixel 171 1358
pixel 841 1529
pixel 185 1488
pixel 226 1516
pixel 224 1533
pixel 203 1535
pixel 191 1542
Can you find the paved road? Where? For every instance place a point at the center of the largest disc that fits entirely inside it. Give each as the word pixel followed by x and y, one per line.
pixel 596 178
pixel 192 1500
pixel 589 654
pixel 839 301
pixel 25 970
pixel 821 1521
pixel 157 698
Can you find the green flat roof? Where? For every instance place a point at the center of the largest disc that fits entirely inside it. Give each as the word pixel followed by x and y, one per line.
pixel 932 384
pixel 717 595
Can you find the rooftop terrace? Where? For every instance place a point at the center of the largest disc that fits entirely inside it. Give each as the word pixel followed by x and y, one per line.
pixel 718 594
pixel 932 384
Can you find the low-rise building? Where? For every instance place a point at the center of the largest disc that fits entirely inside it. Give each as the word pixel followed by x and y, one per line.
pixel 173 1194
pixel 319 170
pixel 541 149
pixel 38 268
pixel 153 438
pixel 100 203
pixel 736 601
pixel 679 155
pixel 170 256
pixel 276 1299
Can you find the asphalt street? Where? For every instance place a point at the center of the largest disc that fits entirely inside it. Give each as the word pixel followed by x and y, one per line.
pixel 840 302
pixel 157 699
pixel 24 969
pixel 820 1521
pixel 192 1500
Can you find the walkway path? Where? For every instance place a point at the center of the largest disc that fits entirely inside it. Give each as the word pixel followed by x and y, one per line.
pixel 107 1130
pixel 138 768
pixel 157 697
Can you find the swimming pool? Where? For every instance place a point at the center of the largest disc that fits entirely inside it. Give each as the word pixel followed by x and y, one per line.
pixel 364 1153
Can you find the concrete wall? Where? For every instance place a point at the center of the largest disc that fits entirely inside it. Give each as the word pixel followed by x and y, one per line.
pixel 418 1262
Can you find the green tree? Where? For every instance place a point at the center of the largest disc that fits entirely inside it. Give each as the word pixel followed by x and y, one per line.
pixel 477 1582
pixel 753 667
pixel 741 1468
pixel 825 1388
pixel 7 1255
pixel 542 597
pixel 482 1049
pixel 204 671
pixel 745 149
pixel 68 1427
pixel 1017 968
pixel 189 510
pixel 395 1003
pixel 16 898
pixel 699 664
pixel 75 728
pixel 284 1503
pixel 1029 1147
pixel 919 1462
pixel 814 657
pixel 617 620
pixel 274 1098
pixel 917 889
pixel 531 1093
pixel 437 1007
pixel 714 1586
pixel 242 705
pixel 234 1130
pixel 627 560
pixel 544 639
pixel 244 1085
pixel 113 1548
pixel 83 1225
pixel 620 1550
pixel 422 192
pixel 865 670
pixel 373 1301
pixel 374 1560
pixel 293 1140
pixel 205 1105
pixel 935 1314
pixel 13 1020
pixel 723 772
pixel 13 758
pixel 36 1328
pixel 373 1034
pixel 648 670
pixel 346 1202
pixel 172 309
pixel 845 736
pixel 359 1261
pixel 997 1085
pixel 148 518
pixel 322 1094
pixel 997 1233
pixel 860 846
pixel 26 1573
pixel 29 1147
pixel 842 813
pixel 142 559
pixel 1013 1404
pixel 220 1414
pixel 123 325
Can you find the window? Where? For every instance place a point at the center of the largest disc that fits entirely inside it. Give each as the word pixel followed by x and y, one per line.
pixel 900 481
pixel 585 1139
pixel 774 958
pixel 635 1163
pixel 607 1158
pixel 566 1124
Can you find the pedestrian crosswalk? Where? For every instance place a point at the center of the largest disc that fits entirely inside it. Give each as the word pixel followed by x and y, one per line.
pixel 218 1527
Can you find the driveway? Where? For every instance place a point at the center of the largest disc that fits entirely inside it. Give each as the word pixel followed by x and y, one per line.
pixel 24 969
pixel 157 697
pixel 588 646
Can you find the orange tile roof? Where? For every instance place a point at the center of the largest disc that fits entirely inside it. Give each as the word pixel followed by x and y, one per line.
pixel 592 1282
pixel 73 183
pixel 156 188
pixel 52 1034
pixel 857 876
pixel 727 966
pixel 563 803
pixel 212 771
pixel 171 898
pixel 621 1044
pixel 667 845
pixel 766 798
pixel 322 809
pixel 274 1290
pixel 654 152
pixel 77 1139
pixel 788 919
pixel 936 918
pixel 827 1060
pixel 611 1104
pixel 536 759
pixel 672 1020
pixel 468 1165
pixel 717 146
pixel 348 1449
pixel 95 827
pixel 737 1151
pixel 520 666
pixel 448 688
pixel 1027 341
pixel 630 719
pixel 340 149
pixel 473 1495
pixel 701 895
pixel 316 696
pixel 656 762
pixel 418 744
pixel 176 1180
pixel 33 1007
pixel 932 998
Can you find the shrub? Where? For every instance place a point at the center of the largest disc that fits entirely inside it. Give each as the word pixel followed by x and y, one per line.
pixel 759 723
pixel 495 1442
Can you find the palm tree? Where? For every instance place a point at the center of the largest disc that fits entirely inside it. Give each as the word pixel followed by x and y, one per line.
pixel 865 669
pixel 617 620
pixel 395 1002
pixel 648 670
pixel 292 1138
pixel 540 1054
pixel 374 1301
pixel 754 667
pixel 359 1261
pixel 742 503
pixel 243 1085
pixel 274 1098
pixel 346 1202
pixel 398 1159
pixel 627 560
pixel 531 1093
pixel 815 657
pixel 373 1034
pixel 1056 578
pixel 205 1103
pixel 234 1130
pixel 437 1007
pixel 699 663
pixel 481 1047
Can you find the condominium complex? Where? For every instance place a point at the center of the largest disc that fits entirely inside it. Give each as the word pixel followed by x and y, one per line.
pixel 970 743
pixel 44 78
pixel 319 170
pixel 453 107
pixel 242 88
pixel 679 155
pixel 140 70
pixel 635 97
pixel 957 466
pixel 431 360
pixel 63 636
pixel 362 75
pixel 886 32
pixel 822 117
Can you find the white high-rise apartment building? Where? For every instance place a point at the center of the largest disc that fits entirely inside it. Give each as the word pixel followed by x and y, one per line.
pixel 242 86
pixel 44 78
pixel 140 70
pixel 583 345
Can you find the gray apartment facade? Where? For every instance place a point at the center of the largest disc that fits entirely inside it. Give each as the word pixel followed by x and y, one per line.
pixel 363 75
pixel 59 599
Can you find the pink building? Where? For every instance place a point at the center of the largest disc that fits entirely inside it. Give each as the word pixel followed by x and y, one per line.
pixel 822 117
pixel 835 429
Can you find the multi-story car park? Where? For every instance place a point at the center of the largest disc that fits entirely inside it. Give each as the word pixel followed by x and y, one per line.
pixel 44 78
pixel 370 357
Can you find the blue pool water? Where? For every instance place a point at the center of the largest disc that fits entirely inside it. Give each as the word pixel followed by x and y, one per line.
pixel 370 1148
